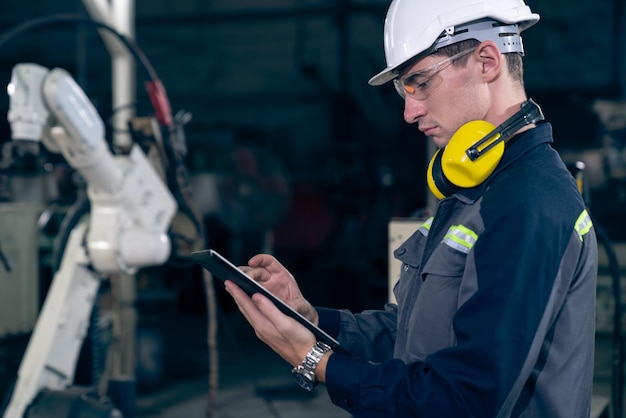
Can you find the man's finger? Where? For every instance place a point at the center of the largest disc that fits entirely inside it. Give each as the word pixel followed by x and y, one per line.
pixel 283 324
pixel 270 263
pixel 247 307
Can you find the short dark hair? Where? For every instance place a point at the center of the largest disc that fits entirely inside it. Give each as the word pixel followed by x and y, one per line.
pixel 513 59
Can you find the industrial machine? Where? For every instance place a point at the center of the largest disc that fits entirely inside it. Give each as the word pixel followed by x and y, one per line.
pixel 131 211
pixel 140 214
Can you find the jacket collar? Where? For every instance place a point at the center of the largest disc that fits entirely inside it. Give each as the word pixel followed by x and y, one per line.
pixel 517 146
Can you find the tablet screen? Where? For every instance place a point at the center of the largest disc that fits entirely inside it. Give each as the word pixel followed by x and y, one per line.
pixel 225 270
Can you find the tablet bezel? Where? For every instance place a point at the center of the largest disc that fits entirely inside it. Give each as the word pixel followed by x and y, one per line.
pixel 224 270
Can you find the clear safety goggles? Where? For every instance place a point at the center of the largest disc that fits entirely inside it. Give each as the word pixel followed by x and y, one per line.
pixel 421 83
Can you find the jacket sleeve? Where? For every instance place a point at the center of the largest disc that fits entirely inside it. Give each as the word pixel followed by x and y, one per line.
pixel 368 335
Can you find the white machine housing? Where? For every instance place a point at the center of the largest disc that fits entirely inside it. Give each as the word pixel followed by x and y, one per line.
pixel 131 207
pixel 131 211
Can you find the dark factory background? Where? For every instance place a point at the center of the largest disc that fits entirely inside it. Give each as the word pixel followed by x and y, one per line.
pixel 287 149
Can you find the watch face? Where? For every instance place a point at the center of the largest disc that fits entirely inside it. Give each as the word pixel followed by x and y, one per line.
pixel 304 381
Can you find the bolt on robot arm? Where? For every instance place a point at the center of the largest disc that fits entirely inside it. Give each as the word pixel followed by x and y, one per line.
pixel 131 211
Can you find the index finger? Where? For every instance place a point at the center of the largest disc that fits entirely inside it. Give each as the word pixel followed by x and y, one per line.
pixel 268 262
pixel 258 274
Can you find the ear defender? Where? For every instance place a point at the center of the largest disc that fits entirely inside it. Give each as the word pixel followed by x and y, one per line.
pixel 474 152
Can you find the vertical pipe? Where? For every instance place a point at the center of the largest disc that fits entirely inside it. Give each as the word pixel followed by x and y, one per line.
pixel 123 85
pixel 123 74
pixel 119 14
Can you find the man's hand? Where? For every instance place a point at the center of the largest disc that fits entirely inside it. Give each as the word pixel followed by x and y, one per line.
pixel 283 334
pixel 270 273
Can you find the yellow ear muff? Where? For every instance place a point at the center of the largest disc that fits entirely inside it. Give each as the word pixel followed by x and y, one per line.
pixel 437 182
pixel 458 168
pixel 452 169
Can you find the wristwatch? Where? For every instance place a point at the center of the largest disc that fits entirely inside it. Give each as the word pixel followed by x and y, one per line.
pixel 305 372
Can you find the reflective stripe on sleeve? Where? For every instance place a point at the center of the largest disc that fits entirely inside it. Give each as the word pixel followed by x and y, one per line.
pixel 426 226
pixel 583 224
pixel 460 238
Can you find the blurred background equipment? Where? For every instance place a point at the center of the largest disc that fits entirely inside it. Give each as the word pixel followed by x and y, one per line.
pixel 131 211
pixel 134 192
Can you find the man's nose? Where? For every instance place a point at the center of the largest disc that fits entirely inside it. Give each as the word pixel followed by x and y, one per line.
pixel 413 109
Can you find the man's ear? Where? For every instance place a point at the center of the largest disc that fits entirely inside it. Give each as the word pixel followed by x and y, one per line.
pixel 491 60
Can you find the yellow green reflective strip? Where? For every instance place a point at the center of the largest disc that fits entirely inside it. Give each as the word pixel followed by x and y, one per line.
pixel 583 224
pixel 426 226
pixel 460 238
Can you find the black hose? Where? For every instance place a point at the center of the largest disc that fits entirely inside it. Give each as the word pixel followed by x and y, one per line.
pixel 67 18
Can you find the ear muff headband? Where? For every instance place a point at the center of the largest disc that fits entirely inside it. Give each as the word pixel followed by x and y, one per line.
pixel 474 151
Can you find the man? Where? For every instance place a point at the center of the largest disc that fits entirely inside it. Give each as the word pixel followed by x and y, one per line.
pixel 496 298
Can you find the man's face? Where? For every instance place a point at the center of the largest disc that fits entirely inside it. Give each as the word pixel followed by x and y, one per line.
pixel 447 97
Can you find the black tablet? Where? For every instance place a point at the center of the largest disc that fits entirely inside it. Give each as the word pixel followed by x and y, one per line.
pixel 225 270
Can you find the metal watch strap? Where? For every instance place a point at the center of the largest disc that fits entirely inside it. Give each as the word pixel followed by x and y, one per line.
pixel 306 370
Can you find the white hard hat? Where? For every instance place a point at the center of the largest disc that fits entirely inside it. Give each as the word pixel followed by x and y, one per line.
pixel 418 27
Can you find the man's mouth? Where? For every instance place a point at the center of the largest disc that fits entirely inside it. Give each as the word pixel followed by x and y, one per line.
pixel 427 130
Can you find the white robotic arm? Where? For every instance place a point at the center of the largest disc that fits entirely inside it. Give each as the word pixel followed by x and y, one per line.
pixel 131 211
pixel 131 208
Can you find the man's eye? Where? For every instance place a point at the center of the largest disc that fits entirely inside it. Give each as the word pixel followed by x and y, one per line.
pixel 418 82
pixel 422 85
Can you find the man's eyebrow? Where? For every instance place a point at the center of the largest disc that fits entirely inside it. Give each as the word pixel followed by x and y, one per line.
pixel 418 73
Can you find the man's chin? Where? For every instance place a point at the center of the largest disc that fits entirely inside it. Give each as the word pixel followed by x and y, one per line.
pixel 439 142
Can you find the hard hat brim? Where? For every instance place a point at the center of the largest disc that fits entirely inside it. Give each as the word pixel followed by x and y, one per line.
pixel 382 77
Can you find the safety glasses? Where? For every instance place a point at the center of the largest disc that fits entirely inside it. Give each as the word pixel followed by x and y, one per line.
pixel 421 83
